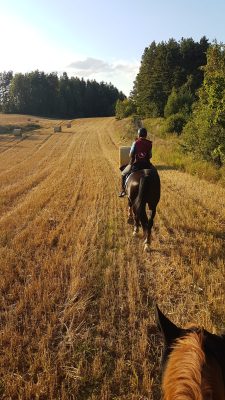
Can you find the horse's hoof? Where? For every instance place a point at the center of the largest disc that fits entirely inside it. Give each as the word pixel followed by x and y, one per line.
pixel 147 248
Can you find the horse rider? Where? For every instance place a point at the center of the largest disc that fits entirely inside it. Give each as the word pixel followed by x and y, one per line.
pixel 140 154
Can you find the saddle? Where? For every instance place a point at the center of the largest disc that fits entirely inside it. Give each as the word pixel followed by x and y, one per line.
pixel 137 167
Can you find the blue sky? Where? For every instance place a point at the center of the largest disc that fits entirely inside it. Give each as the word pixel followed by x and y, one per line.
pixel 96 39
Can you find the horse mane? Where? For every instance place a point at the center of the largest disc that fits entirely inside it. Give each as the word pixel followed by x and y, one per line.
pixel 183 373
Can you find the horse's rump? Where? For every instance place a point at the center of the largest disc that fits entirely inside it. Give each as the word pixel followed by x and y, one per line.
pixel 134 180
pixel 148 191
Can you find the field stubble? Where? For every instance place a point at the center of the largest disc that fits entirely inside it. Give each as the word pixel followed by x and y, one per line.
pixel 77 291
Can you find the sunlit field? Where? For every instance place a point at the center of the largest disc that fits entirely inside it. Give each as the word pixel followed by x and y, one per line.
pixel 77 290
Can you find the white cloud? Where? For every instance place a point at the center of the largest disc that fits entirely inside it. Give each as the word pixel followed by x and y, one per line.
pixel 120 73
pixel 90 65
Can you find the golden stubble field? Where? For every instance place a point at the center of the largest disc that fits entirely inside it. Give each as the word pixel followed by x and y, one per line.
pixel 77 290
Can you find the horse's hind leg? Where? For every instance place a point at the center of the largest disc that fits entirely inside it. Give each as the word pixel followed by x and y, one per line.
pixel 148 230
pixel 130 219
pixel 136 225
pixel 147 241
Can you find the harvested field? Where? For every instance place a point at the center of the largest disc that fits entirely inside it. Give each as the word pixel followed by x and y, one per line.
pixel 77 291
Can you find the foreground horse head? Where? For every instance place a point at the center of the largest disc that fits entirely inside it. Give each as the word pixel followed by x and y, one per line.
pixel 143 188
pixel 193 362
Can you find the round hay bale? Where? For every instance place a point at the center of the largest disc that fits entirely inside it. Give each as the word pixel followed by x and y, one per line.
pixel 124 158
pixel 17 132
pixel 57 129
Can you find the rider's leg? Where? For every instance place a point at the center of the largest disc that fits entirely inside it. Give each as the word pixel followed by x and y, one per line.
pixel 123 179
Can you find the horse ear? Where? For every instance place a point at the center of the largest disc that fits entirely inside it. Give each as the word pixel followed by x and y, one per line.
pixel 169 330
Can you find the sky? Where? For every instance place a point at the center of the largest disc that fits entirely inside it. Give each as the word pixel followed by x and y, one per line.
pixel 99 39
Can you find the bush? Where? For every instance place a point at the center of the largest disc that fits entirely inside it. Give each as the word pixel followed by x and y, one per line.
pixel 174 124
pixel 179 101
pixel 154 125
pixel 203 138
pixel 124 108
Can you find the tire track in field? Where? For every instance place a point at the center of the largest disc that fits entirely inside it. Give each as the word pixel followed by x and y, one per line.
pixel 9 143
pixel 24 160
pixel 38 132
pixel 17 178
pixel 35 201
pixel 116 304
pixel 14 194
pixel 18 142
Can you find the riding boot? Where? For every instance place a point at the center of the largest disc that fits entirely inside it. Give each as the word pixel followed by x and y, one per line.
pixel 123 192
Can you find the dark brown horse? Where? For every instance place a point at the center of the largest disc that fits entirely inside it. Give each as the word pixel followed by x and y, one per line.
pixel 193 362
pixel 143 189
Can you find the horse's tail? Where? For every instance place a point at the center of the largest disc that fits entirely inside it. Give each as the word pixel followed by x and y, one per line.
pixel 141 199
pixel 149 192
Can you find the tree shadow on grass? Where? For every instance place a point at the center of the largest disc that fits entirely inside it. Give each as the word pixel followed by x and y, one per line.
pixel 166 168
pixel 6 137
pixel 216 234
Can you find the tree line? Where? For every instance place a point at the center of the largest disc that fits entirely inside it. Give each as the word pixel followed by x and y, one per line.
pixel 183 82
pixel 38 93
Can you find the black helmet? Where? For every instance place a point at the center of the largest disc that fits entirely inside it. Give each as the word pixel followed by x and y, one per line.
pixel 142 132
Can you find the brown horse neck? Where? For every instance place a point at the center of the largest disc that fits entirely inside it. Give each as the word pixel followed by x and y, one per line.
pixel 186 376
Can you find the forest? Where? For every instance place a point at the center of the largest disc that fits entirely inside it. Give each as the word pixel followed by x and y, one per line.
pixel 38 93
pixel 184 83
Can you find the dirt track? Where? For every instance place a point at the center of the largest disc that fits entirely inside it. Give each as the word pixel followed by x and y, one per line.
pixel 77 289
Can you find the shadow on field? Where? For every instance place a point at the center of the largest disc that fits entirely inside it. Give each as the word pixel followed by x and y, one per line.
pixel 6 137
pixel 9 138
pixel 215 234
pixel 32 137
pixel 165 168
pixel 163 252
